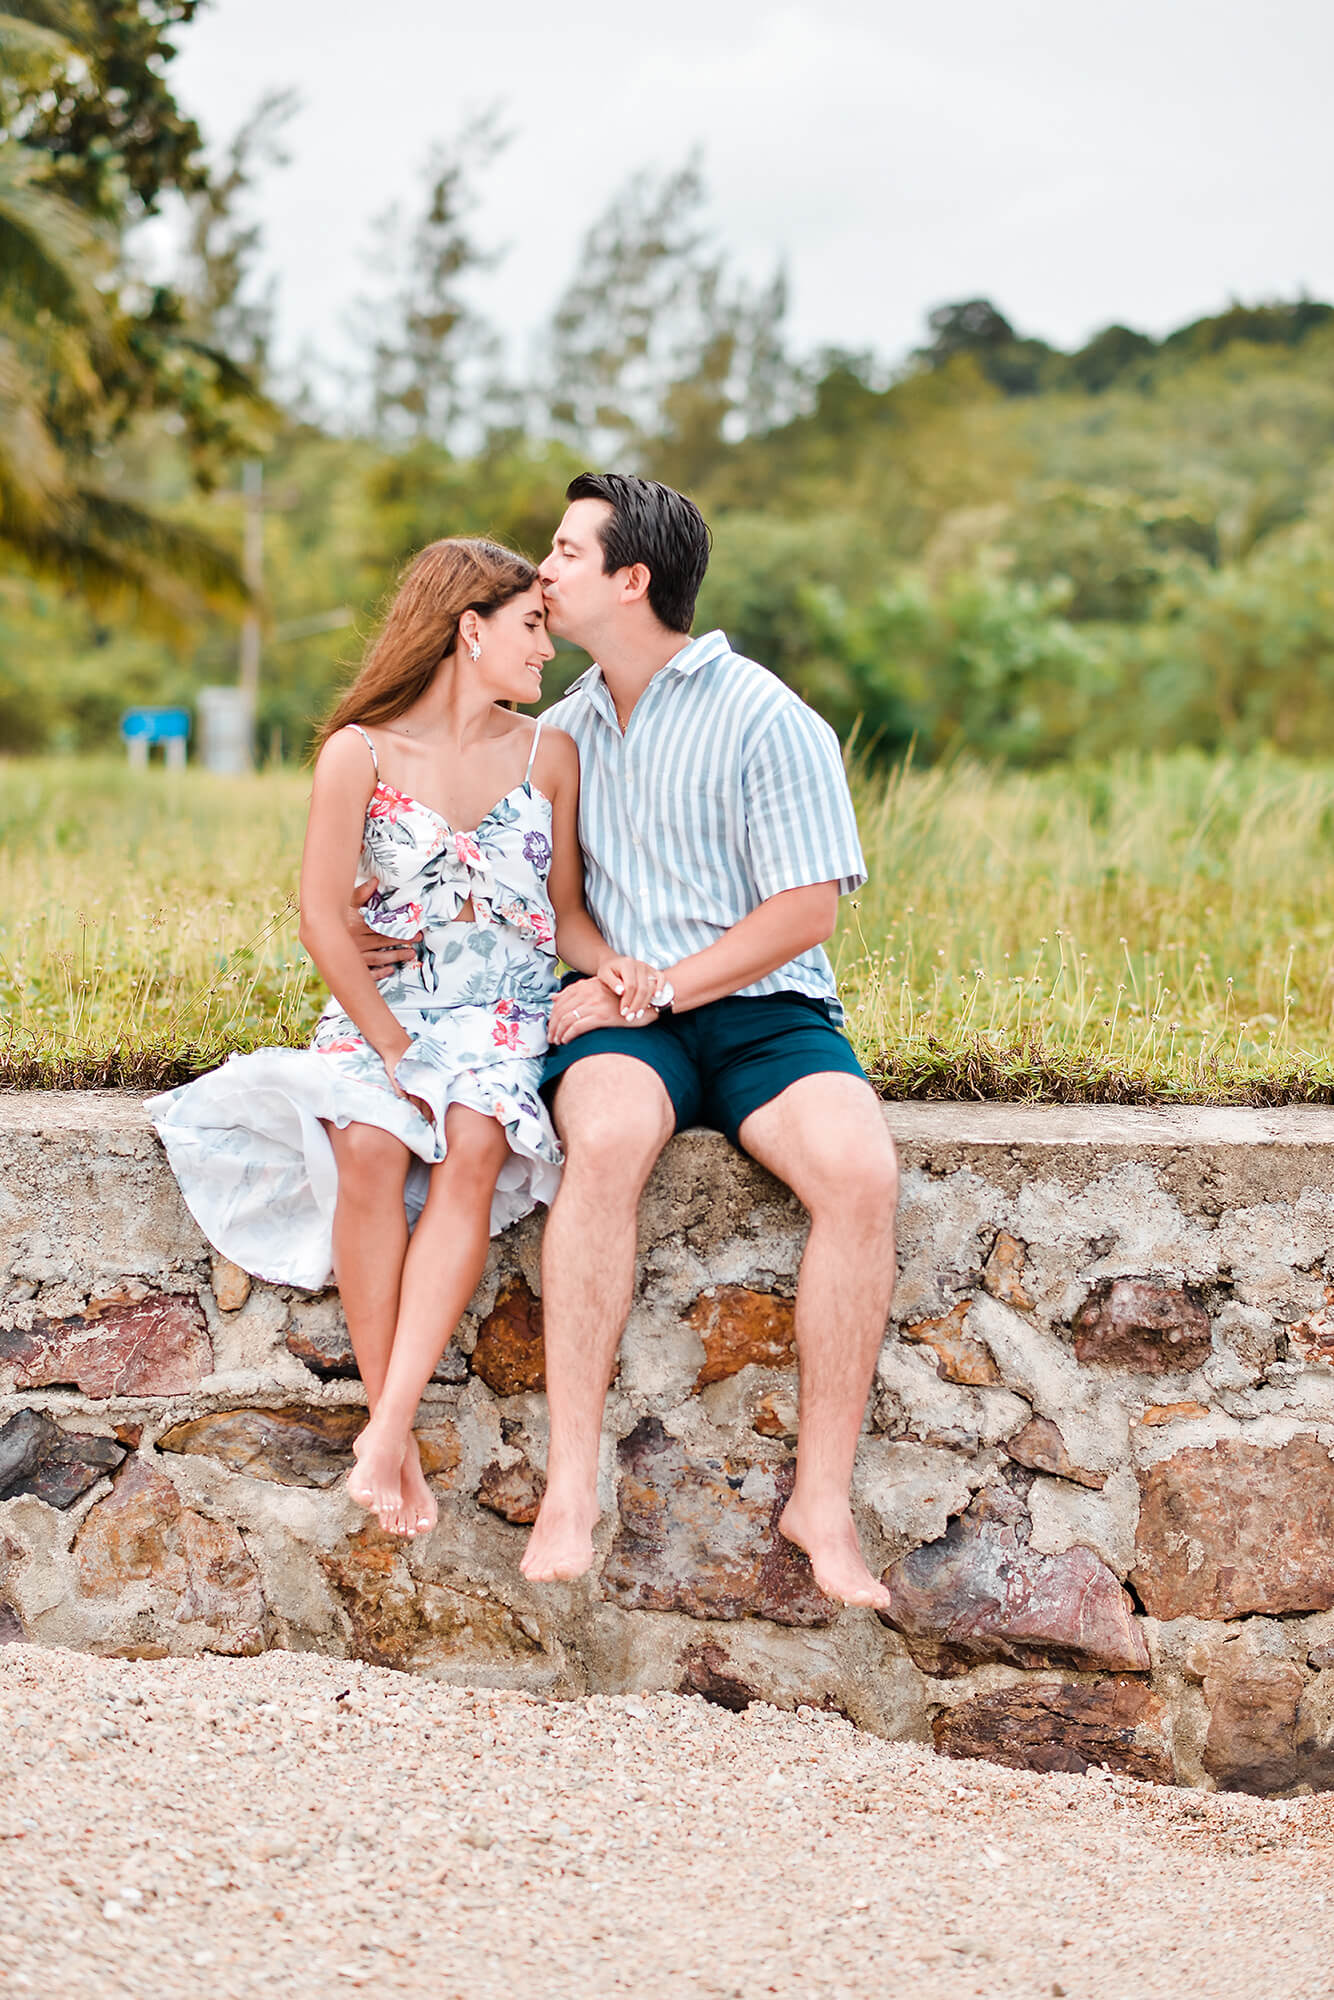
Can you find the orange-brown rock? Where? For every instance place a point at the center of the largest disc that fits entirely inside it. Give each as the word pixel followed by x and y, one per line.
pixel 1233 1528
pixel 700 1535
pixel 980 1593
pixel 192 1579
pixel 509 1355
pixel 1312 1338
pixel 292 1447
pixel 776 1416
pixel 513 1491
pixel 231 1285
pixel 1171 1413
pixel 959 1358
pixel 401 1613
pixel 1252 1741
pixel 1063 1726
pixel 1041 1447
pixel 441 1451
pixel 1004 1271
pixel 741 1329
pixel 154 1346
pixel 1143 1324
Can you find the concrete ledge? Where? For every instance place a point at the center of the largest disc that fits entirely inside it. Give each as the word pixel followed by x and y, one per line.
pixel 1097 1466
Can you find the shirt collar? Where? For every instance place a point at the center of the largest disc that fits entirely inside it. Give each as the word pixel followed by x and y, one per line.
pixel 696 654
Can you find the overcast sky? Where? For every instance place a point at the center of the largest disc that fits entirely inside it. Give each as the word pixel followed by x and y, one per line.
pixel 1078 163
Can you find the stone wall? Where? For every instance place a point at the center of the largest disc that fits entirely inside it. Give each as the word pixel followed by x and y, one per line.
pixel 1097 1467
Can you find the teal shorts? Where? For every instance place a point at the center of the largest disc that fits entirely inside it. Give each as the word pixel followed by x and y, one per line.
pixel 722 1061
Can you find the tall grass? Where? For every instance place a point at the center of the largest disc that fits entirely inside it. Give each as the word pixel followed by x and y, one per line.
pixel 1161 928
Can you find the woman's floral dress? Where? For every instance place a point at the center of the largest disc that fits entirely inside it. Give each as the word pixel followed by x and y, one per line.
pixel 246 1142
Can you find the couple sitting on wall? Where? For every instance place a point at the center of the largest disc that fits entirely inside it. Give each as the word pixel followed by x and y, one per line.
pixel 677 830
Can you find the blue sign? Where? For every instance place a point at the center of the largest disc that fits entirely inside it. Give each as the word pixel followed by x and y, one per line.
pixel 155 725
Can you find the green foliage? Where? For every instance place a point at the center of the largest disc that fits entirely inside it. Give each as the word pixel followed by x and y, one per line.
pixel 90 138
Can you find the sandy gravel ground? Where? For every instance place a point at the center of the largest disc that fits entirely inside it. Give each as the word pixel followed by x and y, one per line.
pixel 294 1826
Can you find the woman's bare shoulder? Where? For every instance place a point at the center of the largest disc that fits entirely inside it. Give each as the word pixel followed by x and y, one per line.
pixel 557 759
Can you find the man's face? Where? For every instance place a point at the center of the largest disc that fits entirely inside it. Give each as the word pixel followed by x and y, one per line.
pixel 576 589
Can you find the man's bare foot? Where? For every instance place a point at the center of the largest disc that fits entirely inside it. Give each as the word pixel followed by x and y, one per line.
pixel 561 1544
pixel 418 1500
pixel 830 1540
pixel 376 1480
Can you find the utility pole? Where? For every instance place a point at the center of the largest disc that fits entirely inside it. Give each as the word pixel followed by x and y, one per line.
pixel 252 563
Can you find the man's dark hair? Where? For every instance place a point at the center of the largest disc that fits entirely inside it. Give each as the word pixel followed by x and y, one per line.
pixel 653 525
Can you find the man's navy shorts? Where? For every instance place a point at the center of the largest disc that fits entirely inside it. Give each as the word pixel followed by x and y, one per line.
pixel 722 1061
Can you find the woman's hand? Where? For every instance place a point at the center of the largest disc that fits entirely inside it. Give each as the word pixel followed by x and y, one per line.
pixel 391 1059
pixel 633 982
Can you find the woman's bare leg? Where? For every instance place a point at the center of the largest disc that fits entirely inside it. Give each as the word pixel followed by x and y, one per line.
pixel 370 1240
pixel 441 1270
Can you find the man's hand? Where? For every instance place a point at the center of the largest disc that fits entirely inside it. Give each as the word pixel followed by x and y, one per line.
pixel 585 1005
pixel 383 955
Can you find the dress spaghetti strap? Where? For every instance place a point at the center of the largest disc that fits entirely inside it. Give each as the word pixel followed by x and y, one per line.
pixel 533 751
pixel 367 741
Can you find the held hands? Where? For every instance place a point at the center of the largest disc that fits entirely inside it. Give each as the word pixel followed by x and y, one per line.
pixel 616 997
pixel 634 984
pixel 383 955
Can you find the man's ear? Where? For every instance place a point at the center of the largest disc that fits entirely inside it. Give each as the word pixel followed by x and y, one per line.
pixel 635 580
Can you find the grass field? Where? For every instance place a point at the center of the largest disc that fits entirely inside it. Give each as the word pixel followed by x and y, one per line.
pixel 1162 929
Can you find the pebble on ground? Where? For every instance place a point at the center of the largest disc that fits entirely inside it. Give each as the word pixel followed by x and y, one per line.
pixel 295 1826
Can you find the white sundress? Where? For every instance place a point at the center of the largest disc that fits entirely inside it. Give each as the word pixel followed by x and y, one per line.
pixel 246 1142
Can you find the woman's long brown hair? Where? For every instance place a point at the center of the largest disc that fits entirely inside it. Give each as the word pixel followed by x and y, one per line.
pixel 422 625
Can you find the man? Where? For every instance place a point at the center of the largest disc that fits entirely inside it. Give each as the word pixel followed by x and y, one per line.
pixel 718 835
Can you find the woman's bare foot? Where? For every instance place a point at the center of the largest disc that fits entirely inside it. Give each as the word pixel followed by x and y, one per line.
pixel 829 1538
pixel 376 1480
pixel 561 1544
pixel 418 1500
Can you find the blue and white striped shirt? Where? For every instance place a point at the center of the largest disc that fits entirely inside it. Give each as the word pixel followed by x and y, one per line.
pixel 724 790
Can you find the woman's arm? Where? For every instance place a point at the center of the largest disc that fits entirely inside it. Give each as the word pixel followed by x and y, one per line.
pixel 344 782
pixel 578 939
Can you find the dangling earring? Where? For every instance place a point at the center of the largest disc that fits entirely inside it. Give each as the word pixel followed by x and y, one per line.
pixel 474 651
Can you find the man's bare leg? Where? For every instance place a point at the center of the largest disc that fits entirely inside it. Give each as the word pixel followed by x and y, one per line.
pixel 441 1270
pixel 614 1117
pixel 825 1136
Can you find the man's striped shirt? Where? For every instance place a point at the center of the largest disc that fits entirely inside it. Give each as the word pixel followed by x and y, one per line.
pixel 724 790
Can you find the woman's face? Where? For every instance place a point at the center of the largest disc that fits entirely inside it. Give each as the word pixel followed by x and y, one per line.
pixel 515 648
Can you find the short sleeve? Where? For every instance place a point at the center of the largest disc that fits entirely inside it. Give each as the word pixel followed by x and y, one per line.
pixel 800 823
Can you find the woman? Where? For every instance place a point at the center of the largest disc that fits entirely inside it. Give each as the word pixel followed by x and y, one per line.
pixel 418 1095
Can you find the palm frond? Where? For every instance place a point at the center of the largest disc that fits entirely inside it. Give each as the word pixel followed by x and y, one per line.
pixel 32 476
pixel 120 557
pixel 50 251
pixel 68 23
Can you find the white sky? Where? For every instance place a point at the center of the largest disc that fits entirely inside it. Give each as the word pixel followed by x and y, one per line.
pixel 1076 162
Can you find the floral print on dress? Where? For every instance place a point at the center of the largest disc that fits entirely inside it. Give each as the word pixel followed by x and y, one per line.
pixel 247 1142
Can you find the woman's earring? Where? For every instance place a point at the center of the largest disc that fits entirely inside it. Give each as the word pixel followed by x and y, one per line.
pixel 474 651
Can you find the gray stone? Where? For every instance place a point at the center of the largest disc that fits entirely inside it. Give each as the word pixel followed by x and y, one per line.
pixel 56 1466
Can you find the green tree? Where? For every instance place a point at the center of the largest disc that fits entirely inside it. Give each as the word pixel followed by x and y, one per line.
pixel 431 354
pixel 90 139
pixel 661 357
